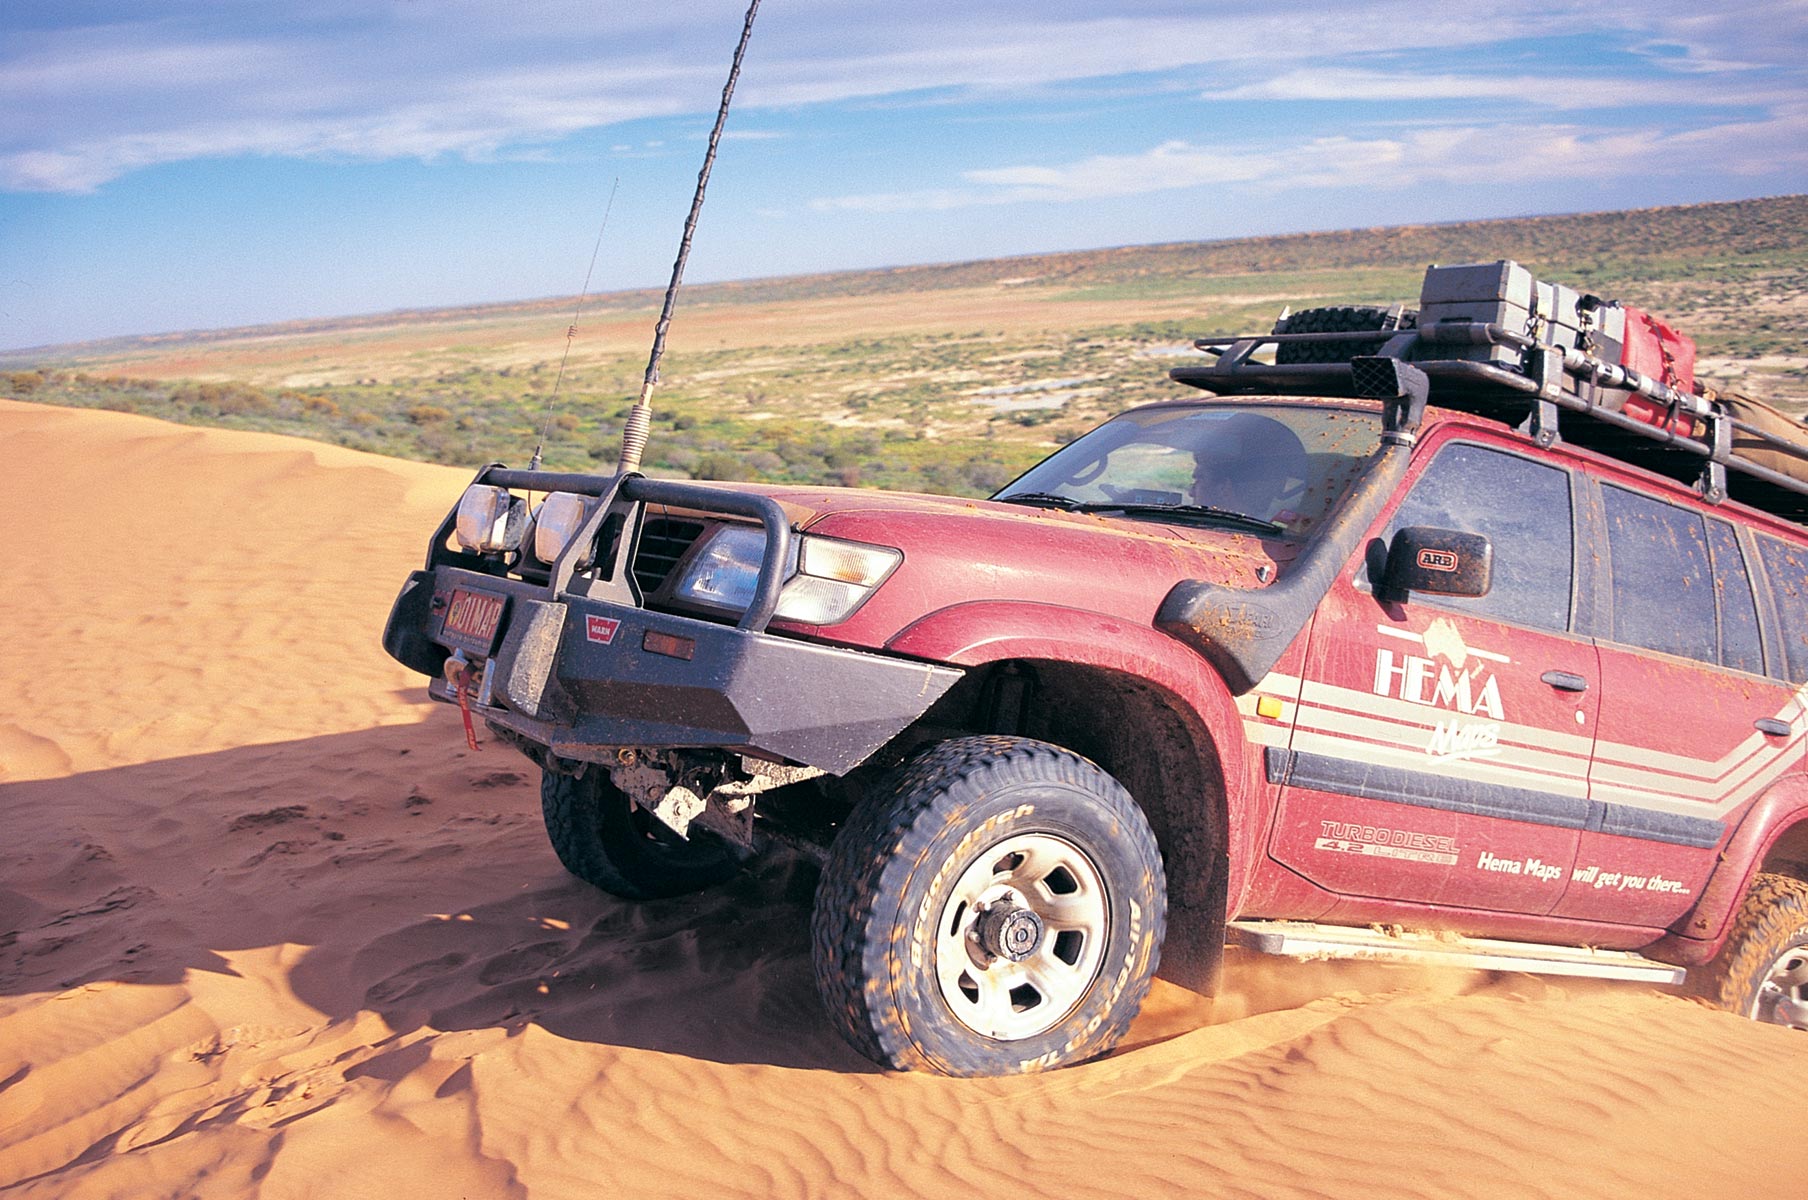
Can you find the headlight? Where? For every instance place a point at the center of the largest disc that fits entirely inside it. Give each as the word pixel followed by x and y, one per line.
pixel 560 517
pixel 724 573
pixel 828 580
pixel 490 519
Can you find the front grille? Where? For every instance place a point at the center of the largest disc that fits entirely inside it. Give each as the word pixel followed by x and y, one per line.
pixel 663 541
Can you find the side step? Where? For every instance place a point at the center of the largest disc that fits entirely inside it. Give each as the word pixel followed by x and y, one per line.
pixel 1306 940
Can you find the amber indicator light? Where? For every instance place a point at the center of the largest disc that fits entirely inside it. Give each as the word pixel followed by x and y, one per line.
pixel 668 644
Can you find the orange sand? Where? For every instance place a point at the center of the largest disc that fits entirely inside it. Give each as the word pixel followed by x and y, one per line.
pixel 268 929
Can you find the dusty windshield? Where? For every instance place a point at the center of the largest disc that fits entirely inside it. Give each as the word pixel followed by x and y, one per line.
pixel 1280 468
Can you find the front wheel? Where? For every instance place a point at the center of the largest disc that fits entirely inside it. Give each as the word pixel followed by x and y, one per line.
pixel 1762 971
pixel 998 908
pixel 603 839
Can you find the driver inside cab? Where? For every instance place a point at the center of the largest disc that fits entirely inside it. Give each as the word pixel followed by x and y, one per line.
pixel 1253 465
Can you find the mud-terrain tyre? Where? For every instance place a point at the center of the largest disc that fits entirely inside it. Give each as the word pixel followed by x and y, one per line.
pixel 1345 318
pixel 996 907
pixel 608 843
pixel 1762 971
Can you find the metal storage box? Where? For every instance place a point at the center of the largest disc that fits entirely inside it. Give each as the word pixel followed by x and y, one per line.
pixel 1498 293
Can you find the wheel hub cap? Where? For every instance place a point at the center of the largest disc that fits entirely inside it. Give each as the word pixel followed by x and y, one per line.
pixel 1010 933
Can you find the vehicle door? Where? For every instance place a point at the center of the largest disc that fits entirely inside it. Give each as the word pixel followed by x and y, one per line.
pixel 1441 749
pixel 1691 727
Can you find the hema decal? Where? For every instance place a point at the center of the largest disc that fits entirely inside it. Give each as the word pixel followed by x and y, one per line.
pixel 1451 683
pixel 1453 739
pixel 1624 881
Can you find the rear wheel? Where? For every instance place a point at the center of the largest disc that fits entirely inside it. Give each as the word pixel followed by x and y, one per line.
pixel 998 908
pixel 603 839
pixel 1762 971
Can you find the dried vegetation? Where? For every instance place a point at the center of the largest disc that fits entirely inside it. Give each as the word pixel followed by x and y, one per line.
pixel 946 378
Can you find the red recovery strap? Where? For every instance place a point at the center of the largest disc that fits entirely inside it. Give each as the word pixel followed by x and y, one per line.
pixel 463 684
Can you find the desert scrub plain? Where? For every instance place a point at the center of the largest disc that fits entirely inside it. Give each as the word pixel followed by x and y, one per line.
pixel 948 378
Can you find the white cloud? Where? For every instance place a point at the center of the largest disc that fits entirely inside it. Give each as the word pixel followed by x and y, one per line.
pixel 1539 91
pixel 178 79
pixel 1472 153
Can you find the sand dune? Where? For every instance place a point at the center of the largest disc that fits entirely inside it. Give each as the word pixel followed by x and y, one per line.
pixel 267 928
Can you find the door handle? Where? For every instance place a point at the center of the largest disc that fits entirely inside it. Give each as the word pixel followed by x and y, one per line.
pixel 1565 681
pixel 1772 726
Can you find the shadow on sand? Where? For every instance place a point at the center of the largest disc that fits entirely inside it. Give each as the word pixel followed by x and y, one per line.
pixel 414 880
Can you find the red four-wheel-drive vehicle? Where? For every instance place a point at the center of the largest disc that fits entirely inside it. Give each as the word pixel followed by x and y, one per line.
pixel 1445 632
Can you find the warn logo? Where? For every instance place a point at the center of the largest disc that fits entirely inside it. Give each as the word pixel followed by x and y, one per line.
pixel 600 630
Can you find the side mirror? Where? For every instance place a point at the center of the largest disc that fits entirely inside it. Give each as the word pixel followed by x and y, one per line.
pixel 1441 562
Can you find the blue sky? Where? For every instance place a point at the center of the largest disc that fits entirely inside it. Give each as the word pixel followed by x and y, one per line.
pixel 191 164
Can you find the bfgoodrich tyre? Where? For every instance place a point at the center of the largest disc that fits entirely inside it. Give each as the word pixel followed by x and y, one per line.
pixel 1762 971
pixel 604 840
pixel 997 908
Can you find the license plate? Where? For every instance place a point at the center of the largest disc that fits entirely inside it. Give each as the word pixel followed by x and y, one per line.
pixel 472 620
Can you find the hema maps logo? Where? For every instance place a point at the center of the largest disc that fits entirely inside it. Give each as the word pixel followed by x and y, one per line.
pixel 1448 675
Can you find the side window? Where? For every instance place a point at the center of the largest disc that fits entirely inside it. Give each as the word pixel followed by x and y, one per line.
pixel 1663 590
pixel 1739 644
pixel 1523 508
pixel 1787 567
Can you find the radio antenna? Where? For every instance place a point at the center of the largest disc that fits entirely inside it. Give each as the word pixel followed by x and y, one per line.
pixel 640 417
pixel 552 403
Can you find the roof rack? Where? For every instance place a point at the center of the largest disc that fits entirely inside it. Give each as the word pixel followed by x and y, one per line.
pixel 1487 369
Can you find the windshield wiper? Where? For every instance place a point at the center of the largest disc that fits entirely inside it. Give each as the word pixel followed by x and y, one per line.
pixel 1195 512
pixel 1043 500
pixel 1131 508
